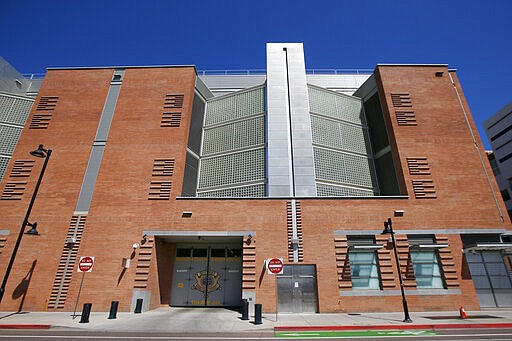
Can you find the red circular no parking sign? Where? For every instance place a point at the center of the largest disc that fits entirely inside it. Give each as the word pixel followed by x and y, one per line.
pixel 85 264
pixel 275 266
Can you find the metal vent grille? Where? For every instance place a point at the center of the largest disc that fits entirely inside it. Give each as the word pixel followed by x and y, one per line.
pixel 324 190
pixel 232 169
pixel 237 192
pixel 343 168
pixel 235 106
pixel 10 136
pixel 340 135
pixel 335 105
pixel 235 135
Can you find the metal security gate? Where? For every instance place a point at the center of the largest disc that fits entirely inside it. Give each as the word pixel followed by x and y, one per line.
pixel 207 276
pixel 492 278
pixel 297 289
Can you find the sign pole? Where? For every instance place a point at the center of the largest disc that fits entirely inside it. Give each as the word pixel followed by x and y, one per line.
pixel 85 264
pixel 78 297
pixel 276 297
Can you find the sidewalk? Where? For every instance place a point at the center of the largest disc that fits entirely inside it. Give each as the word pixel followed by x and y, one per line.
pixel 212 320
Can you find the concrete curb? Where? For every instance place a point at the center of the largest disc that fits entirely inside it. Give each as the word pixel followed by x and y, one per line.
pixel 394 327
pixel 25 326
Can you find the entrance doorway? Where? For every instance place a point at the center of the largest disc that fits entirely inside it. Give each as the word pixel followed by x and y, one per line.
pixel 207 275
pixel 297 289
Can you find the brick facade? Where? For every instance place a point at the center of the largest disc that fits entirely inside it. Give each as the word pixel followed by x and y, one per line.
pixel 124 204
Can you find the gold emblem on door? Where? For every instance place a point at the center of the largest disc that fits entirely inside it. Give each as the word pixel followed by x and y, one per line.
pixel 206 279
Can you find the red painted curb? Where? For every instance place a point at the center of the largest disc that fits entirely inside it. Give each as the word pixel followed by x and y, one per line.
pixel 394 327
pixel 25 326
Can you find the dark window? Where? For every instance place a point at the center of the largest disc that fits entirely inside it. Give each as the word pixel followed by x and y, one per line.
pixel 235 253
pixel 181 252
pixel 200 252
pixel 505 195
pixel 220 253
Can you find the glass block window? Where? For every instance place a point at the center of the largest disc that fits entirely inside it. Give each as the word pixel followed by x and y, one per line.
pixel 4 161
pixel 235 106
pixel 233 168
pixel 340 106
pixel 363 270
pixel 340 135
pixel 325 190
pixel 237 192
pixel 344 168
pixel 426 270
pixel 9 136
pixel 14 110
pixel 235 135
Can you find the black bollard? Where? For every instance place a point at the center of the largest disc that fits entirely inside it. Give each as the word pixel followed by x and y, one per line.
pixel 138 306
pixel 85 313
pixel 245 309
pixel 113 310
pixel 257 314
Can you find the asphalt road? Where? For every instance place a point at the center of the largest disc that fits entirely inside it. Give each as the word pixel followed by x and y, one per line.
pixel 73 335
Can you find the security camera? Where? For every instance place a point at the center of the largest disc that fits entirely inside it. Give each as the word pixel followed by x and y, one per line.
pixel 135 246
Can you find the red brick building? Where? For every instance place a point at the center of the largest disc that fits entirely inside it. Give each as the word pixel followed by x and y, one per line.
pixel 181 197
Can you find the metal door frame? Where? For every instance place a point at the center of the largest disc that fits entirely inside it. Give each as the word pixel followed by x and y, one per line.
pixel 292 276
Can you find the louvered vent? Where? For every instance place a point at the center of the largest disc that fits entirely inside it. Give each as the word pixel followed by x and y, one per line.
pixel 67 263
pixel 406 118
pixel 22 168
pixel 172 118
pixel 401 99
pixel 47 103
pixel 418 166
pixel 163 167
pixel 174 101
pixel 424 189
pixel 43 115
pixel 3 240
pixel 404 114
pixel 160 190
pixel 13 190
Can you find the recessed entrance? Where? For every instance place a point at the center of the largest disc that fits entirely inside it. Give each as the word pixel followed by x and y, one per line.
pixel 207 275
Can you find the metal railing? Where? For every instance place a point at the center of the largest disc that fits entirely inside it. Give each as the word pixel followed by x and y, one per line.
pixel 250 72
pixel 30 76
pixel 264 72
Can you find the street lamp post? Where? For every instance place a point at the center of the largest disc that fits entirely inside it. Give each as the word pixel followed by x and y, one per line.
pixel 39 152
pixel 388 228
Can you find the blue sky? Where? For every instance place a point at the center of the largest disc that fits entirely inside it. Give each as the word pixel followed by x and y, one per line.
pixel 471 36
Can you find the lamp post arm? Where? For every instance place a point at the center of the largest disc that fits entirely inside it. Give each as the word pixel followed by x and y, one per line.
pixel 23 225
